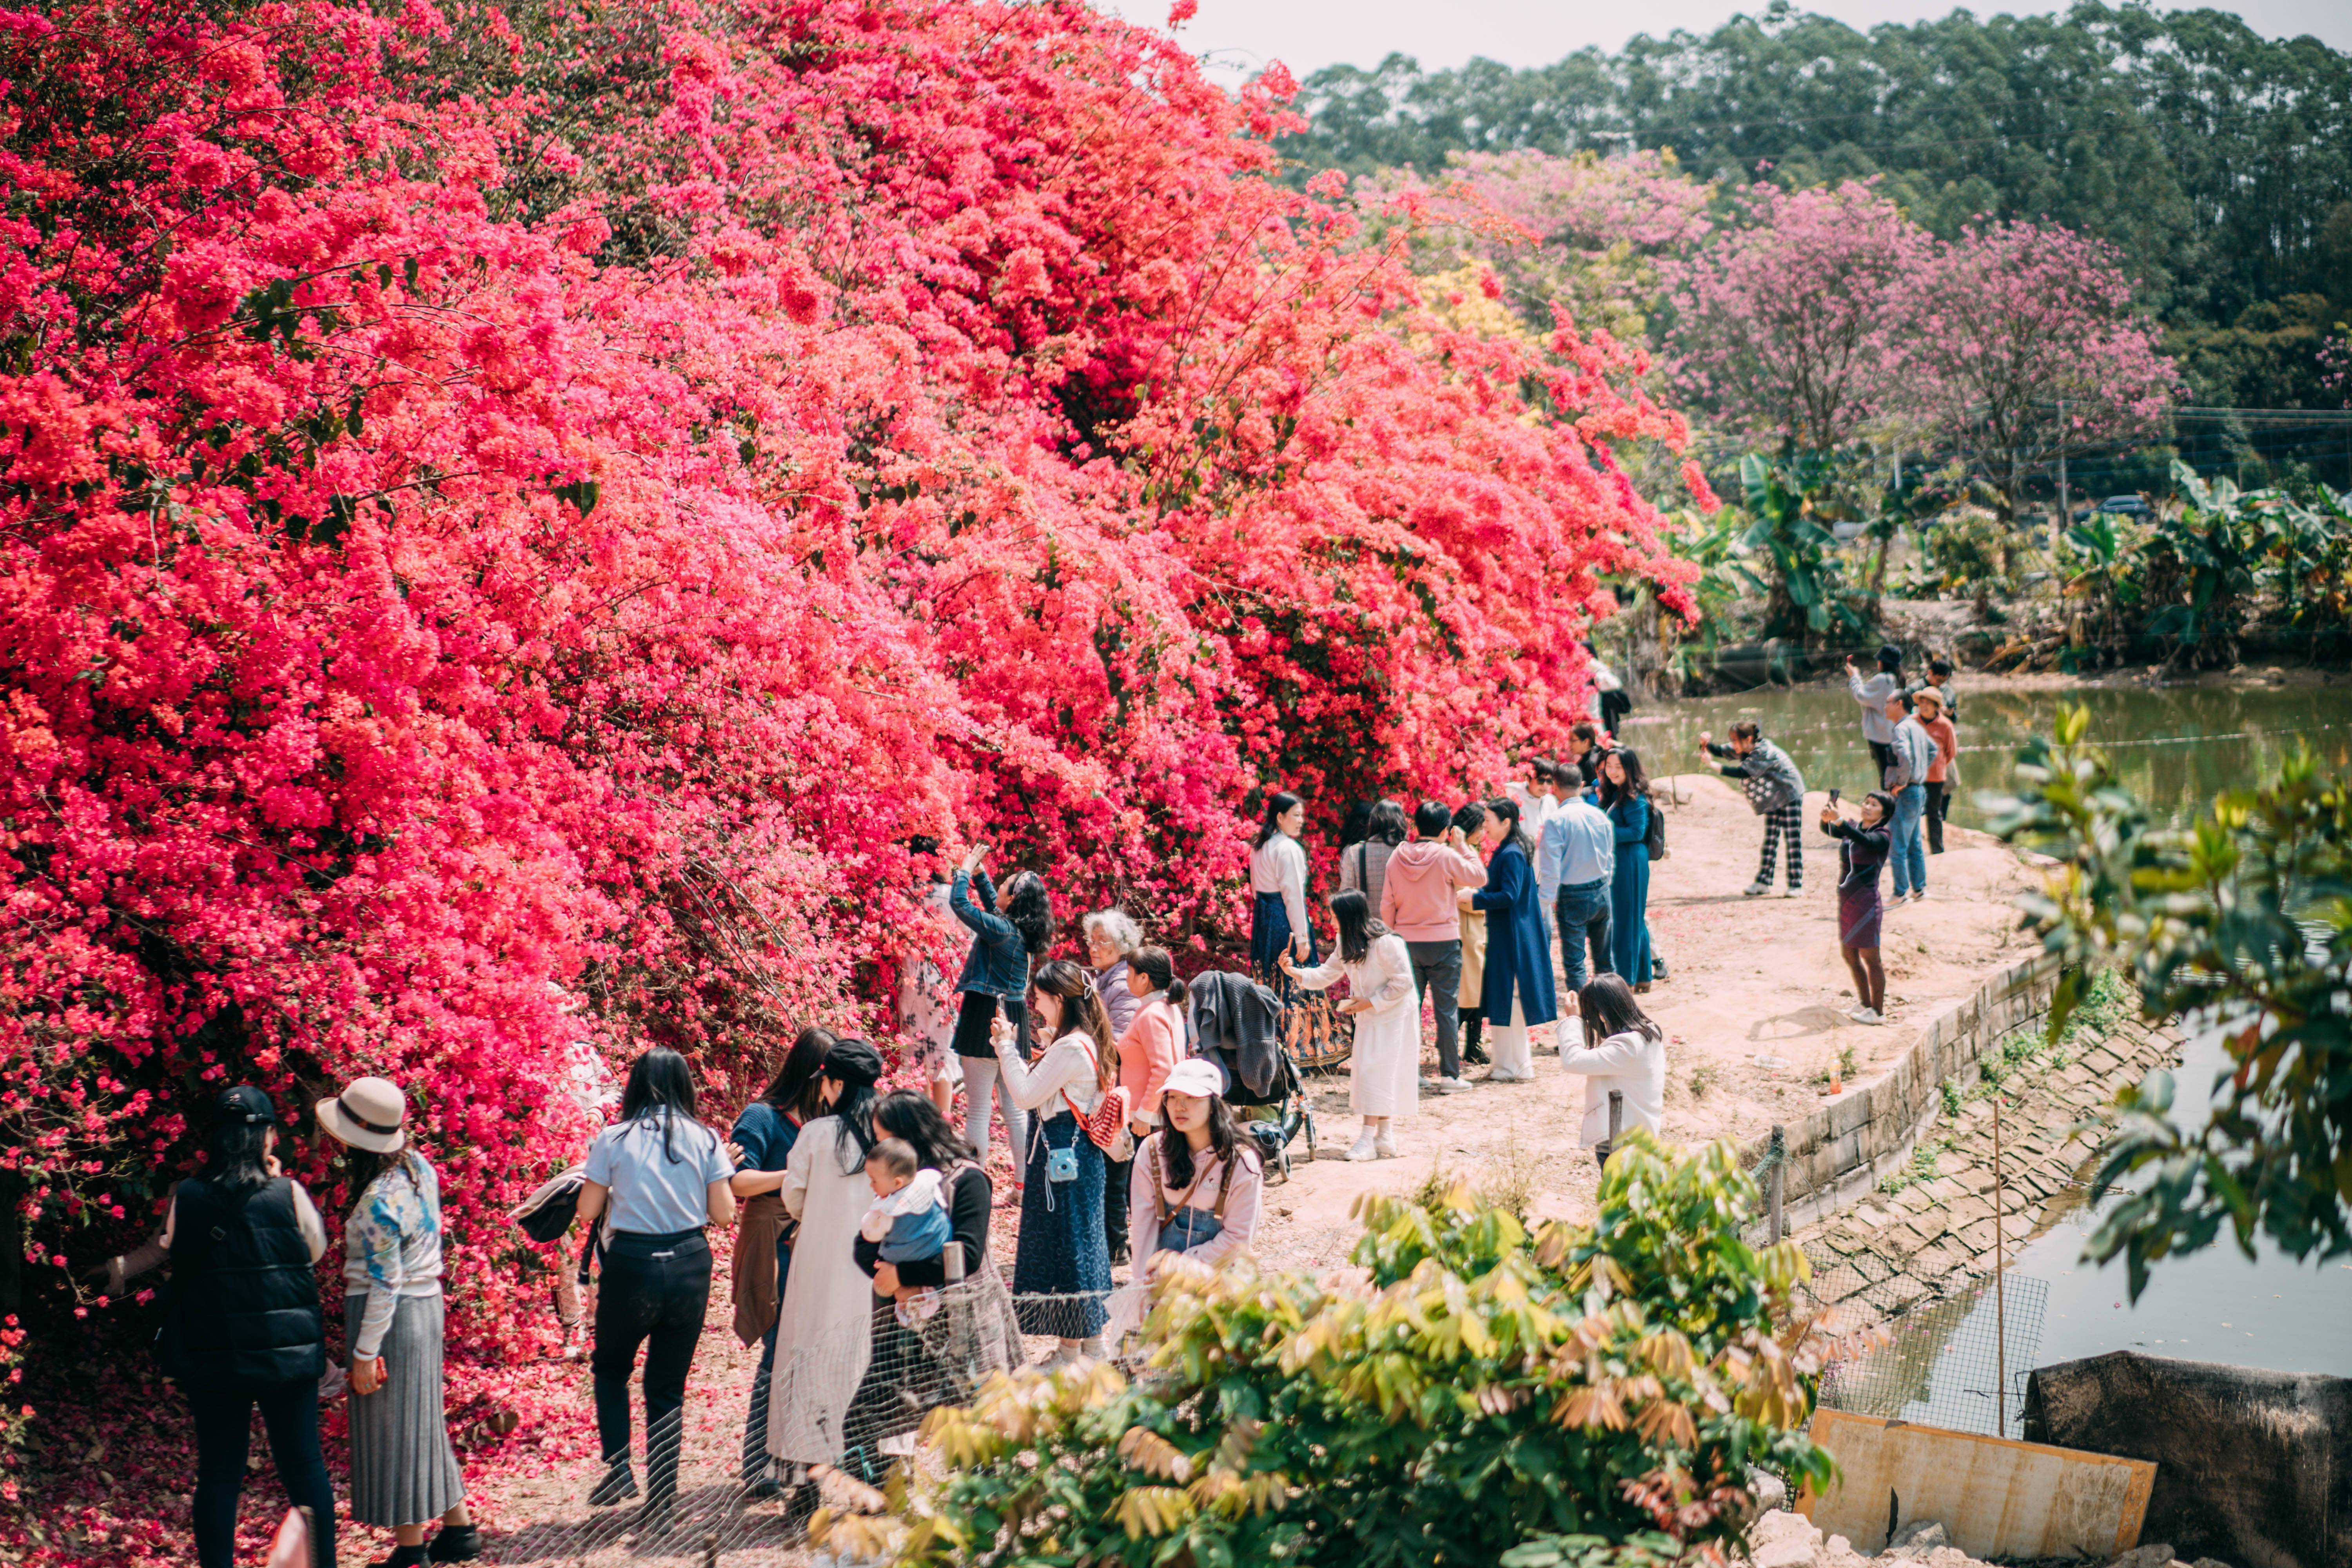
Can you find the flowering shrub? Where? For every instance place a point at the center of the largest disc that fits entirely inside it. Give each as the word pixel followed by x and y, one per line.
pixel 511 518
pixel 1584 1395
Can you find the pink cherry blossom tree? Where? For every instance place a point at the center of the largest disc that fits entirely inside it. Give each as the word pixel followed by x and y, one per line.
pixel 2021 341
pixel 1784 326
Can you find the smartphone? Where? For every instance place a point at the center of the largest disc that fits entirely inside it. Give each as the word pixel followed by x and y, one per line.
pixel 1833 795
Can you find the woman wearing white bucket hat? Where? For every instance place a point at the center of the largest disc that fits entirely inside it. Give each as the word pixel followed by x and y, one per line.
pixel 404 1472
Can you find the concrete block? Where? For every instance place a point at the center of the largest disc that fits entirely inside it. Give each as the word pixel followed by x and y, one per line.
pixel 1848 1111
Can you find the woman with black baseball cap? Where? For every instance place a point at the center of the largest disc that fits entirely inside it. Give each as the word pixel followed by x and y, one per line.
pixel 242 1328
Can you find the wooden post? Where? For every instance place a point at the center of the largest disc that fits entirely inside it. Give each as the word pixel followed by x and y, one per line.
pixel 1616 1116
pixel 2000 1287
pixel 1775 1180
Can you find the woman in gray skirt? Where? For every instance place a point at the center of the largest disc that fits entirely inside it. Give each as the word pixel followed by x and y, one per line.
pixel 403 1471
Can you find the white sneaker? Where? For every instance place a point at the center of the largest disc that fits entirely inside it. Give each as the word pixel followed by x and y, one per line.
pixel 1501 1076
pixel 1919 896
pixel 1384 1146
pixel 1753 889
pixel 1866 1015
pixel 1364 1148
pixel 1448 1086
pixel 1792 892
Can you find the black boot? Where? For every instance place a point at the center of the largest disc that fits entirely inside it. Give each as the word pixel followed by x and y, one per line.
pixel 619 1485
pixel 455 1544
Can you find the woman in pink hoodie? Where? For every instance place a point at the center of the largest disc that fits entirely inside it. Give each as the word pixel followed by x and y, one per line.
pixel 1418 902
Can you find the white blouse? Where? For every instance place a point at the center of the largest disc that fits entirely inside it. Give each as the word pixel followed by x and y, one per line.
pixel 1279 866
pixel 1384 978
pixel 1631 1063
pixel 1067 1067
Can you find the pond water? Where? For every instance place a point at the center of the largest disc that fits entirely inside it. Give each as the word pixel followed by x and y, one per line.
pixel 2215 1305
pixel 2176 749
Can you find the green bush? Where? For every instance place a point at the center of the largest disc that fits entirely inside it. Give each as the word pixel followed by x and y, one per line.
pixel 2240 924
pixel 1584 1397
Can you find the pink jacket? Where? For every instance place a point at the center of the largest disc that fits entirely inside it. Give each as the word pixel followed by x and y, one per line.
pixel 1417 898
pixel 1147 1053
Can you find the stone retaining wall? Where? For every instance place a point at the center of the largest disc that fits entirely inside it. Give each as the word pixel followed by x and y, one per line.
pixel 1837 1154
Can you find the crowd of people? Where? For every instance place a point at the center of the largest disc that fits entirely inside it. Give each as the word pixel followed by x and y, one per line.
pixel 1129 1102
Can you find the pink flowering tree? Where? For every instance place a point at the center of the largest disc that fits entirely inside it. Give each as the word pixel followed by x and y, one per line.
pixel 2021 341
pixel 1785 325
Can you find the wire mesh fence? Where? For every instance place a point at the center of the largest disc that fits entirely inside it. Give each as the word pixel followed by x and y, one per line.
pixel 1943 1360
pixel 837 1410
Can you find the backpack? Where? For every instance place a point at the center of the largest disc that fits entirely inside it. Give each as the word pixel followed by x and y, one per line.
pixel 1655 841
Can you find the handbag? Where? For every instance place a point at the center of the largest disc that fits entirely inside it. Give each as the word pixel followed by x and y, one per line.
pixel 1107 1125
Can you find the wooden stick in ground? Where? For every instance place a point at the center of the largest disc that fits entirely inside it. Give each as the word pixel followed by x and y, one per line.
pixel 1773 1184
pixel 1999 1290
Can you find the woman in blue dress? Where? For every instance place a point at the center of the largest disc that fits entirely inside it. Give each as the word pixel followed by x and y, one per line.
pixel 762 1140
pixel 1518 992
pixel 1625 796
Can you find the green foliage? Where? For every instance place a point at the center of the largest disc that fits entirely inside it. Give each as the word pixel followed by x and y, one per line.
pixel 1972 552
pixel 1578 1398
pixel 2241 926
pixel 1726 580
pixel 2187 584
pixel 1785 502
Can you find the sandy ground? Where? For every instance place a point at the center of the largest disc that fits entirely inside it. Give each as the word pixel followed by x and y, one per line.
pixel 1754 1011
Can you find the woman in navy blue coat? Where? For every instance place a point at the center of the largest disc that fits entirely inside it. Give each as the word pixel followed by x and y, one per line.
pixel 1625 796
pixel 1518 990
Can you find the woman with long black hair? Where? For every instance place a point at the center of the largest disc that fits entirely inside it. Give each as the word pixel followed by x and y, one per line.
pixel 1626 796
pixel 1615 1048
pixel 948 1348
pixel 1199 1181
pixel 1279 929
pixel 1063 1260
pixel 242 1328
pixel 1866 843
pixel 822 1333
pixel 995 979
pixel 658 1178
pixel 761 1143
pixel 1518 993
pixel 1384 1069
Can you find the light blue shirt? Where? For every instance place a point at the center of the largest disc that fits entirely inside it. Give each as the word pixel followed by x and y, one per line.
pixel 1579 847
pixel 653 1191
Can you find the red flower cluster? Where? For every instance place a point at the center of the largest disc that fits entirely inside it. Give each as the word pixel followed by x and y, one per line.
pixel 511 521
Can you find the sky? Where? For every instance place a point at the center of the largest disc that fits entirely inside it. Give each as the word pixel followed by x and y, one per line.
pixel 1239 36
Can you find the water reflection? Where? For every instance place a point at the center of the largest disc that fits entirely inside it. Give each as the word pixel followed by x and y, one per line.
pixel 2176 749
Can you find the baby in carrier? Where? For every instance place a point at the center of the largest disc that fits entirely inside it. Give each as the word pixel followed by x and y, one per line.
pixel 908 1217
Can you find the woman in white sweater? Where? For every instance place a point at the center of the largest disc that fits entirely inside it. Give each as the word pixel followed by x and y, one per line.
pixel 1384 1081
pixel 1061 1267
pixel 1631 1058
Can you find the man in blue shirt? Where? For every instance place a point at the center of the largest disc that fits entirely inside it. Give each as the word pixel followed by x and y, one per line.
pixel 1578 855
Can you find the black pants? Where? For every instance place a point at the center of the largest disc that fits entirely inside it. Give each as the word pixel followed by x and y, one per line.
pixel 1882 755
pixel 1939 797
pixel 655 1292
pixel 1115 1192
pixel 1437 974
pixel 1474 1021
pixel 290 1412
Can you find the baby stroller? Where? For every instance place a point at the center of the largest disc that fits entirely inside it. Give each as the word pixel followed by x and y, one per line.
pixel 1237 1023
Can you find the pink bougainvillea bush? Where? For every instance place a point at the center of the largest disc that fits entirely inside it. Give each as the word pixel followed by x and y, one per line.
pixel 512 519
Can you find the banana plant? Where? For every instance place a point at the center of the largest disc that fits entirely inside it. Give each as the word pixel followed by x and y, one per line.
pixel 1807 596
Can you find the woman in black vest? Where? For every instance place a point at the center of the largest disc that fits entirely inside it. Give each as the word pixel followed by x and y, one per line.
pixel 243 1327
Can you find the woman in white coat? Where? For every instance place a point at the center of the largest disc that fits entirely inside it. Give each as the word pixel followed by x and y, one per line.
pixel 824 1331
pixel 1384 1081
pixel 1631 1058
